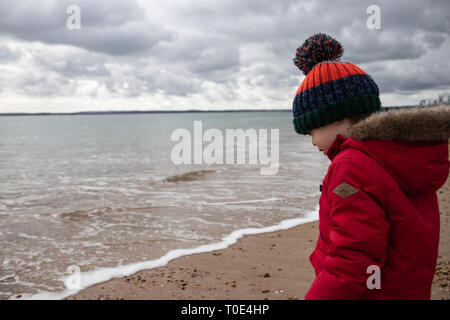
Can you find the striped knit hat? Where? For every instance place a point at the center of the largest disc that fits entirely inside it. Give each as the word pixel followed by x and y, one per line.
pixel 332 90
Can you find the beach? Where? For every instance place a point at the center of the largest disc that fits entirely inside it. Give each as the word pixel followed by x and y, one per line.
pixel 263 266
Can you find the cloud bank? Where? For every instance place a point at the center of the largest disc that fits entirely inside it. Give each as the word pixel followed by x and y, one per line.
pixel 174 55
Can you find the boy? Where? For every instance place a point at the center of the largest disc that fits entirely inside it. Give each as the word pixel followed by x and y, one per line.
pixel 379 214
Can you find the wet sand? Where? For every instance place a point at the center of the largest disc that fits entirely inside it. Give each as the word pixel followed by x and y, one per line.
pixel 265 266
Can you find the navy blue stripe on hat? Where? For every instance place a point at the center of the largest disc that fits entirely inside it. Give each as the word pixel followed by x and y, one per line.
pixel 333 91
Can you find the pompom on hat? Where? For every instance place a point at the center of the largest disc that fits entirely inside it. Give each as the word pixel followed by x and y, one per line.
pixel 332 90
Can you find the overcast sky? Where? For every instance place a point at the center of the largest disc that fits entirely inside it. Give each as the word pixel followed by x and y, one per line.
pixel 212 54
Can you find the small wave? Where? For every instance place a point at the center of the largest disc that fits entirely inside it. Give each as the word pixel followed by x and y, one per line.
pixel 77 215
pixel 82 214
pixel 145 208
pixel 240 202
pixel 189 176
pixel 74 215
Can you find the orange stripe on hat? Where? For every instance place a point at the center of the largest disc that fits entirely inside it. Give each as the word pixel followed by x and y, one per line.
pixel 333 71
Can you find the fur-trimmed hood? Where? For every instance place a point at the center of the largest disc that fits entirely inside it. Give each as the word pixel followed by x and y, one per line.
pixel 410 124
pixel 411 144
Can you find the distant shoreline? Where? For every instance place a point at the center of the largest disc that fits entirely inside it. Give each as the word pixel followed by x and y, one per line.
pixel 155 111
pixel 134 112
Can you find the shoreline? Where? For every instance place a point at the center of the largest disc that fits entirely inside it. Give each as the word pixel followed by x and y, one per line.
pixel 243 270
pixel 273 265
pixel 106 274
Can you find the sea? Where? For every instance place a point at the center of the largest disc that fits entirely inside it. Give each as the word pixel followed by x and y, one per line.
pixel 85 198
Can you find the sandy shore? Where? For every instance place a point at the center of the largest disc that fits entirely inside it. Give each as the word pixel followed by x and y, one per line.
pixel 265 266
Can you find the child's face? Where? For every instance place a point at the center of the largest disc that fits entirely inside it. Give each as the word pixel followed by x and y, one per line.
pixel 324 136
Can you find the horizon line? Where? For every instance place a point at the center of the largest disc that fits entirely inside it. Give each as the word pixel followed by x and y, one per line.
pixel 151 111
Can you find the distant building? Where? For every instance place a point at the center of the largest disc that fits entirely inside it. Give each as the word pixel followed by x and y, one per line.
pixel 433 102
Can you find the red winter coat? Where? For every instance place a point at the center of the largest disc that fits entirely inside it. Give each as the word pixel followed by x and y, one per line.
pixel 379 208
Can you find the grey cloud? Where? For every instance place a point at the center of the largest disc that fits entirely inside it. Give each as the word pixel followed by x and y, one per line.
pixel 412 76
pixel 186 45
pixel 412 80
pixel 44 85
pixel 112 27
pixel 7 55
pixel 204 54
pixel 213 58
pixel 410 16
pixel 73 63
pixel 366 47
pixel 169 80
pixel 434 40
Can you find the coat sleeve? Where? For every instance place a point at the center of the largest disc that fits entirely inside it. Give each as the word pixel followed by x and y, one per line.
pixel 357 236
